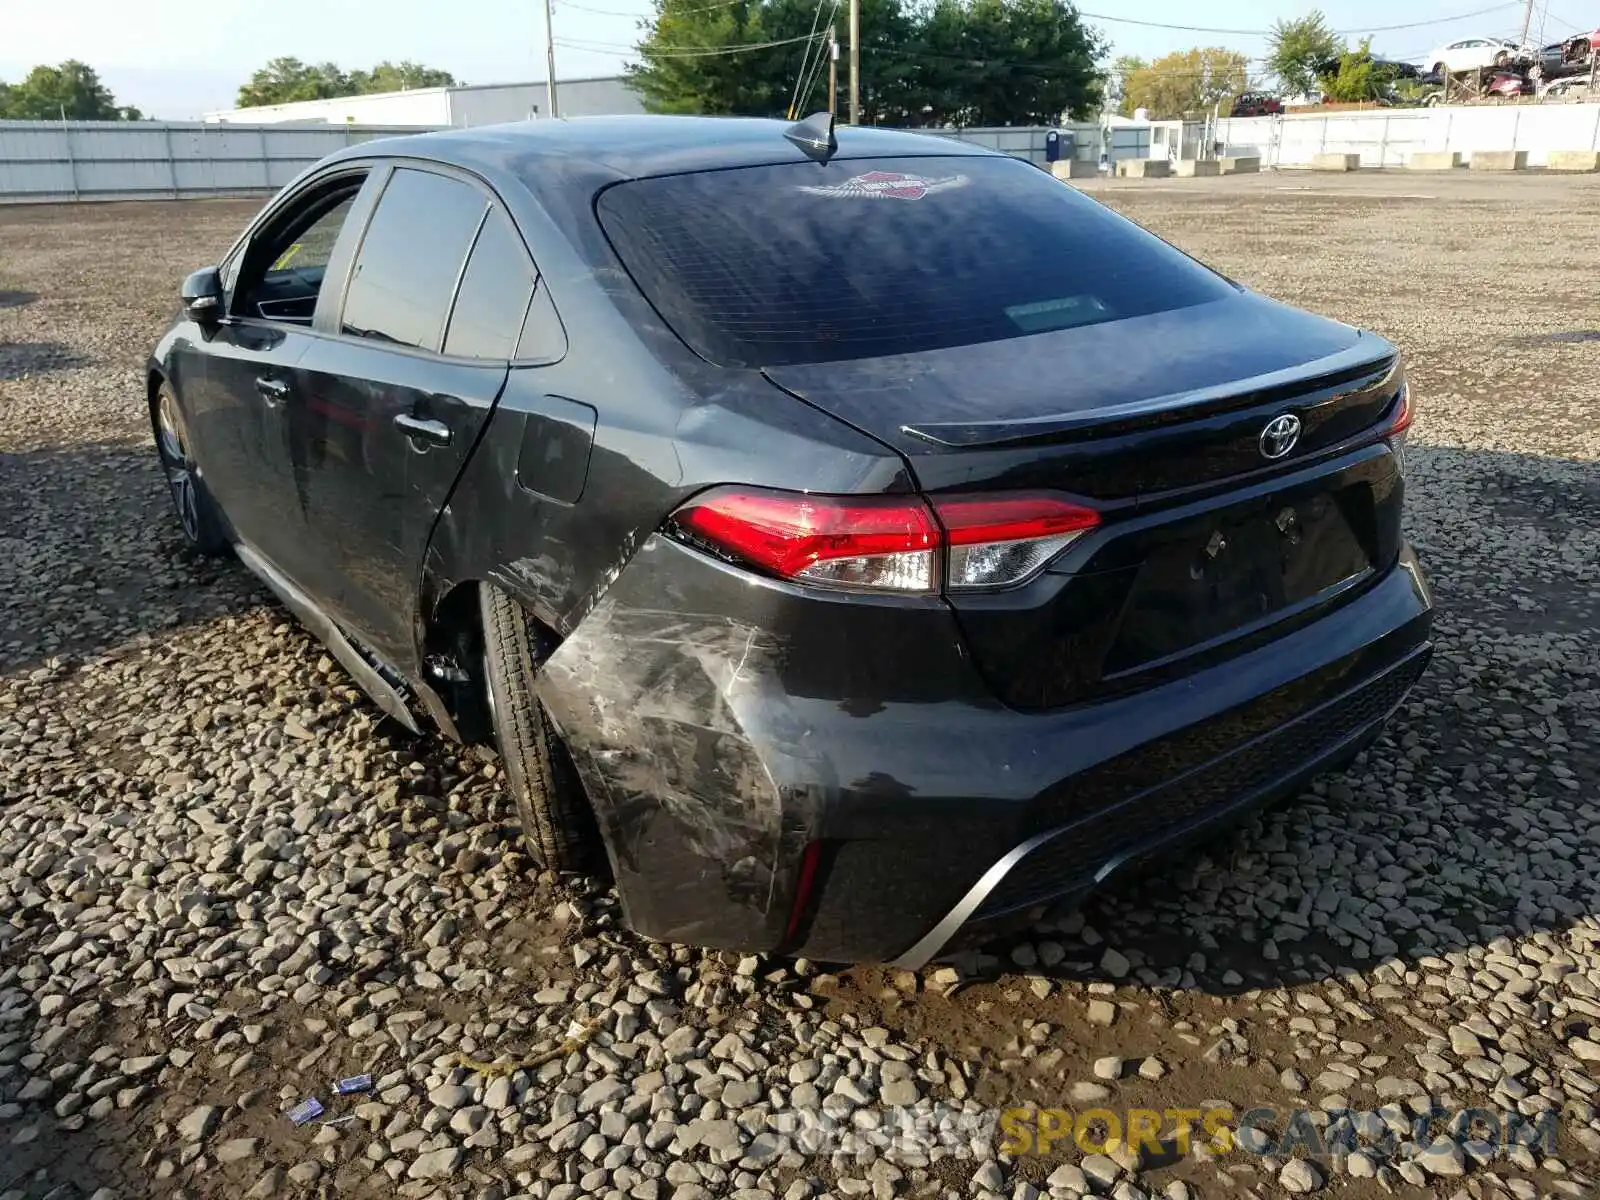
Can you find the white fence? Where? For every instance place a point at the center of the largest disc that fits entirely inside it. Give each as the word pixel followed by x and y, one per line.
pixel 1387 139
pixel 137 160
pixel 1087 140
pixel 133 160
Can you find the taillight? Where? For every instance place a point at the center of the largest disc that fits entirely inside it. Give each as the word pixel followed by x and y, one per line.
pixel 1403 412
pixel 1001 541
pixel 1395 432
pixel 884 543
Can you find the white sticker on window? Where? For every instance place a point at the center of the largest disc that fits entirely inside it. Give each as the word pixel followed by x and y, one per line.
pixel 890 185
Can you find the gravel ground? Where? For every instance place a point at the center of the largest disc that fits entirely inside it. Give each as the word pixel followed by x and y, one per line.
pixel 225 882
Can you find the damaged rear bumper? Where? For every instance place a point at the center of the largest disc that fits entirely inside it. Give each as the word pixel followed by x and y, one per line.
pixel 724 724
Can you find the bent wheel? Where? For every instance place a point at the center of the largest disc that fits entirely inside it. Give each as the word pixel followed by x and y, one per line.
pixel 557 822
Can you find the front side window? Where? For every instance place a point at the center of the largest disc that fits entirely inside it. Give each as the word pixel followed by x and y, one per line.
pixel 410 259
pixel 280 275
pixel 803 263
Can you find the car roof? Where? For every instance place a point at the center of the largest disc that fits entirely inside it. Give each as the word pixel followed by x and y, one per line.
pixel 637 146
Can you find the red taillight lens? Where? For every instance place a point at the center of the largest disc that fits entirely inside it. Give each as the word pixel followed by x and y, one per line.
pixel 971 519
pixel 1403 412
pixel 885 543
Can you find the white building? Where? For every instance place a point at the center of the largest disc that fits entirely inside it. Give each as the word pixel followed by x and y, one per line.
pixel 437 107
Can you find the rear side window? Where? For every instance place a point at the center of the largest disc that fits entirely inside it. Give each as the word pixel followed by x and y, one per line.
pixel 801 263
pixel 494 293
pixel 411 258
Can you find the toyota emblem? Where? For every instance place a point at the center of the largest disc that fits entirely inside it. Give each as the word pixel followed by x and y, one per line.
pixel 1280 436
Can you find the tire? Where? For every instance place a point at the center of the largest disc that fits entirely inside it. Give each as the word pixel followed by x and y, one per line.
pixel 204 529
pixel 557 822
pixel 1502 58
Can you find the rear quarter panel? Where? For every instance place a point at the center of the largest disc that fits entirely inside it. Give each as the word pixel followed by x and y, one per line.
pixel 666 424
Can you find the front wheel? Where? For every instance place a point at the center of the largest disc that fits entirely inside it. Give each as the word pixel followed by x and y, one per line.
pixel 203 527
pixel 557 823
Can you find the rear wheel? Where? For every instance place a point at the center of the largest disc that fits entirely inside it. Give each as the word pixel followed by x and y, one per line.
pixel 557 822
pixel 203 527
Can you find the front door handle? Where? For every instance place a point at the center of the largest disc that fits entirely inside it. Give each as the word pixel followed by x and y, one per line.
pixel 421 428
pixel 272 390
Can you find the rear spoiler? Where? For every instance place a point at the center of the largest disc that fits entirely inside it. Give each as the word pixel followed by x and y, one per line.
pixel 1354 366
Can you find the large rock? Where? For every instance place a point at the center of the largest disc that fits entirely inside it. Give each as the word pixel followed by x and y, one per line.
pixel 1299 1176
pixel 198 1123
pixel 436 1164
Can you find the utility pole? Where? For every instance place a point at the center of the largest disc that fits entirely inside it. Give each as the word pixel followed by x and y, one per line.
pixel 550 59
pixel 1527 23
pixel 833 70
pixel 855 62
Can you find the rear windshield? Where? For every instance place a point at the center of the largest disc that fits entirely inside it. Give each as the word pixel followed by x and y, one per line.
pixel 804 263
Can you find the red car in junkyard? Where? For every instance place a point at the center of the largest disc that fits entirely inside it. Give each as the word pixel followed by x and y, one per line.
pixel 1256 104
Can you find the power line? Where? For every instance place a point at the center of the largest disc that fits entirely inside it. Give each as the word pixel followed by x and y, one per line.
pixel 1265 32
pixel 825 51
pixel 682 51
pixel 1560 20
pixel 617 12
pixel 1437 21
pixel 677 12
pixel 805 61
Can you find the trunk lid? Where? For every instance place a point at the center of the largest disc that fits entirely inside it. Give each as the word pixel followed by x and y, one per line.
pixel 1110 410
pixel 1209 546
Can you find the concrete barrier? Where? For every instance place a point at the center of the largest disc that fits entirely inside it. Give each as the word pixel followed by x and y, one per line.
pixel 1429 160
pixel 1335 162
pixel 1190 168
pixel 1499 160
pixel 1074 168
pixel 1242 165
pixel 1143 168
pixel 1573 160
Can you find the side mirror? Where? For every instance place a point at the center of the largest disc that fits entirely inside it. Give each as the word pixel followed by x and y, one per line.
pixel 202 297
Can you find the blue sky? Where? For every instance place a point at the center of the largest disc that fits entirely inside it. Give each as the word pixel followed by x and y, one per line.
pixel 173 58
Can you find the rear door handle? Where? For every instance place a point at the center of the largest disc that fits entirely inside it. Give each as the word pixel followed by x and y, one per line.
pixel 272 390
pixel 421 428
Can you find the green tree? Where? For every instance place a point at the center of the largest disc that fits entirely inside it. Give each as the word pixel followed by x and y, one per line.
pixel 1298 48
pixel 1122 70
pixel 285 80
pixel 1357 78
pixel 71 90
pixel 396 77
pixel 1185 82
pixel 946 62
